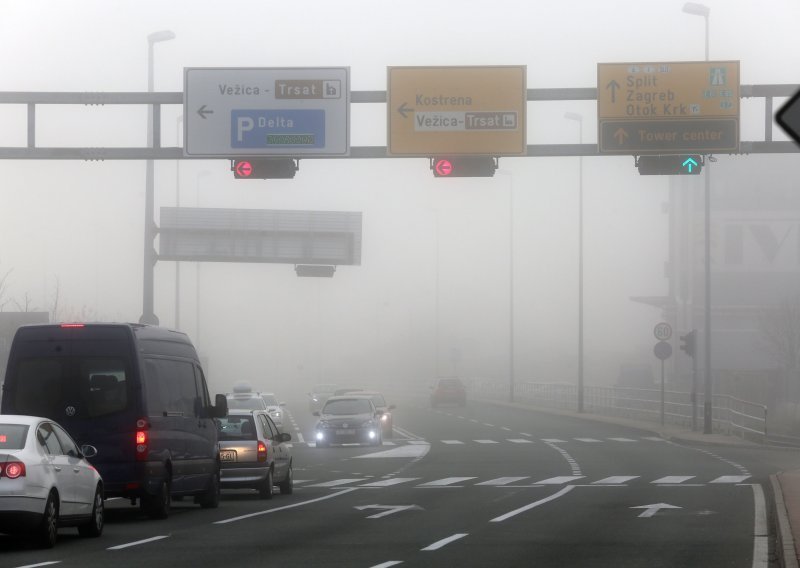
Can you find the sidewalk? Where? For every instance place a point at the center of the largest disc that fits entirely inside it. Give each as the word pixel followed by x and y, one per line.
pixel 785 485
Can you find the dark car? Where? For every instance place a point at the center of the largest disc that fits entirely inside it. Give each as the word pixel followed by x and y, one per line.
pixel 449 390
pixel 318 395
pixel 254 454
pixel 137 393
pixel 387 421
pixel 348 419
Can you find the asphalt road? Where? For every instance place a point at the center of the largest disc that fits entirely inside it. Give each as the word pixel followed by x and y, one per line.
pixel 475 486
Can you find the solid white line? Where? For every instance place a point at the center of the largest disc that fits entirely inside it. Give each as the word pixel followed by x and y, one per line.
pixel 515 512
pixel 300 504
pixel 138 542
pixel 387 564
pixel 760 530
pixel 440 543
pixel 40 564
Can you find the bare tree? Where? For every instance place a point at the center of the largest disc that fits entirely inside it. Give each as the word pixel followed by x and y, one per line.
pixel 54 305
pixel 780 328
pixel 4 289
pixel 26 306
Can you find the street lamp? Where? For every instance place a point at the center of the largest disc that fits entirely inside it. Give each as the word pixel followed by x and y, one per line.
pixel 579 119
pixel 704 11
pixel 148 315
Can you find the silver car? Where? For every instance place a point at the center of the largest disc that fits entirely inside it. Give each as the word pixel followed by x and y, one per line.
pixel 253 453
pixel 46 482
pixel 274 408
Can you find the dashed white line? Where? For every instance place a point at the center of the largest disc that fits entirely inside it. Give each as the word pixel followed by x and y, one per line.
pixel 588 440
pixel 502 481
pixel 670 479
pixel 452 442
pixel 292 506
pixel 387 564
pixel 559 480
pixel 515 512
pixel 445 541
pixel 486 441
pixel 389 482
pixel 446 482
pixel 138 542
pixel 622 439
pixel 519 441
pixel 730 479
pixel 40 564
pixel 617 479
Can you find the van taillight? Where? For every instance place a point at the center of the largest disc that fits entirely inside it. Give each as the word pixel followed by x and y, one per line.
pixel 142 439
pixel 66 325
pixel 262 451
pixel 13 470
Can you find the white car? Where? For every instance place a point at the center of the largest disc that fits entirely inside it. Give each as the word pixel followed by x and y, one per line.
pixel 274 408
pixel 46 482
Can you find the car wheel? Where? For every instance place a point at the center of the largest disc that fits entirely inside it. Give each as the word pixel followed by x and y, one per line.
pixel 47 532
pixel 287 485
pixel 210 498
pixel 94 527
pixel 266 488
pixel 157 506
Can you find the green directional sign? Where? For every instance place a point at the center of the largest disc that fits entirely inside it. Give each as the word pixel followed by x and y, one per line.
pixel 660 108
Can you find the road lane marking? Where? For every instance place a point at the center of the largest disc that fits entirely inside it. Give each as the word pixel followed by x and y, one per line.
pixel 337 482
pixel 445 482
pixel 445 541
pixel 651 510
pixel 760 529
pixel 292 506
pixel 526 434
pixel 407 451
pixel 452 442
pixel 40 564
pixel 622 439
pixel 485 441
pixel 654 439
pixel 138 542
pixel 473 420
pixel 617 479
pixel 502 480
pixel 530 506
pixel 504 428
pixel 520 441
pixel 730 479
pixel 300 438
pixel 554 441
pixel 489 425
pixel 559 480
pixel 670 479
pixel 387 564
pixel 587 440
pixel 389 482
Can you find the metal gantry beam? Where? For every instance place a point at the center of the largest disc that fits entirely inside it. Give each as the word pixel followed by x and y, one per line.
pixel 32 99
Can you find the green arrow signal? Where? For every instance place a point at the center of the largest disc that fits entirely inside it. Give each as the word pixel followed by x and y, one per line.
pixel 689 164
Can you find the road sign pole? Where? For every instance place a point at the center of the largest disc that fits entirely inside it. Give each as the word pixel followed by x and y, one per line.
pixel 662 392
pixel 694 394
pixel 707 408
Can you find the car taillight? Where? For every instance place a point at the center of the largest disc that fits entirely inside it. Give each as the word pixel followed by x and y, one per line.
pixel 68 325
pixel 13 470
pixel 262 451
pixel 142 439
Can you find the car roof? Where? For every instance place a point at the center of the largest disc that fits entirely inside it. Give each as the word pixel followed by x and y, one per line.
pixel 23 419
pixel 354 396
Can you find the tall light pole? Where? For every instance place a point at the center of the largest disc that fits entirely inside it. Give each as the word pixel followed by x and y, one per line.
pixel 579 119
pixel 178 123
pixel 148 314
pixel 511 370
pixel 701 10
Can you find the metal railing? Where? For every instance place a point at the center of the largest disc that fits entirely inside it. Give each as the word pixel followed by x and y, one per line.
pixel 730 415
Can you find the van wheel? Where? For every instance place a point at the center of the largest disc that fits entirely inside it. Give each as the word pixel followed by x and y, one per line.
pixel 265 489
pixel 47 532
pixel 287 485
pixel 94 527
pixel 210 499
pixel 157 506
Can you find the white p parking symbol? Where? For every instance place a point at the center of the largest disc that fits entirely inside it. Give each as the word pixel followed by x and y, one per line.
pixel 243 124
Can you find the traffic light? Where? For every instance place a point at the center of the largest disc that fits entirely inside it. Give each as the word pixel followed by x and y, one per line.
pixel 689 343
pixel 264 168
pixel 670 165
pixel 464 166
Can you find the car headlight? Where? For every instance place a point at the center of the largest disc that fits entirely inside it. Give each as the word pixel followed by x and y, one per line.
pixel 384 417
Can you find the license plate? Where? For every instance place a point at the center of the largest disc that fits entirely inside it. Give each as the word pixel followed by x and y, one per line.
pixel 349 432
pixel 227 455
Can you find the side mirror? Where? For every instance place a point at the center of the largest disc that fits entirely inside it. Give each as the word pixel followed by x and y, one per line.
pixel 88 451
pixel 220 409
pixel 285 437
pixel 315 413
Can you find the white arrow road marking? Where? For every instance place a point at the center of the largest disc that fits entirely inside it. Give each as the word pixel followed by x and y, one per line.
pixel 730 479
pixel 650 510
pixel 440 543
pixel 138 542
pixel 502 481
pixel 389 482
pixel 673 479
pixel 389 509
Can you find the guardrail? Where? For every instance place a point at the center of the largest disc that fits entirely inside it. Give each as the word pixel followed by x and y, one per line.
pixel 730 415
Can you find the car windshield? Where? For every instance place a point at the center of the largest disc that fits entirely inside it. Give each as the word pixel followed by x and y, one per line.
pixel 13 436
pixel 235 427
pixel 323 389
pixel 347 406
pixel 270 399
pixel 378 400
pixel 247 403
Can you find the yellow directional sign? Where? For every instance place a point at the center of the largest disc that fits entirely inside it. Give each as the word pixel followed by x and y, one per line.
pixel 456 110
pixel 657 108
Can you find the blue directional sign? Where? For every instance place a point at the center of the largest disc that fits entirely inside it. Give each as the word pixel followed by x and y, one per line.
pixel 251 129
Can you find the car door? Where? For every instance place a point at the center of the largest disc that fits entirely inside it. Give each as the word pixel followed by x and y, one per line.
pixel 79 471
pixel 59 464
pixel 281 452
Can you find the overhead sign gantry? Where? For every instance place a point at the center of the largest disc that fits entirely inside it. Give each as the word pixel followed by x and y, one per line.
pixel 668 108
pixel 294 112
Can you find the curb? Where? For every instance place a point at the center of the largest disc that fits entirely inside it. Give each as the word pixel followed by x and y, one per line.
pixel 784 547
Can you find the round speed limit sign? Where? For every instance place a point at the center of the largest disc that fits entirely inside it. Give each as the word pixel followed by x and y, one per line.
pixel 662 331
